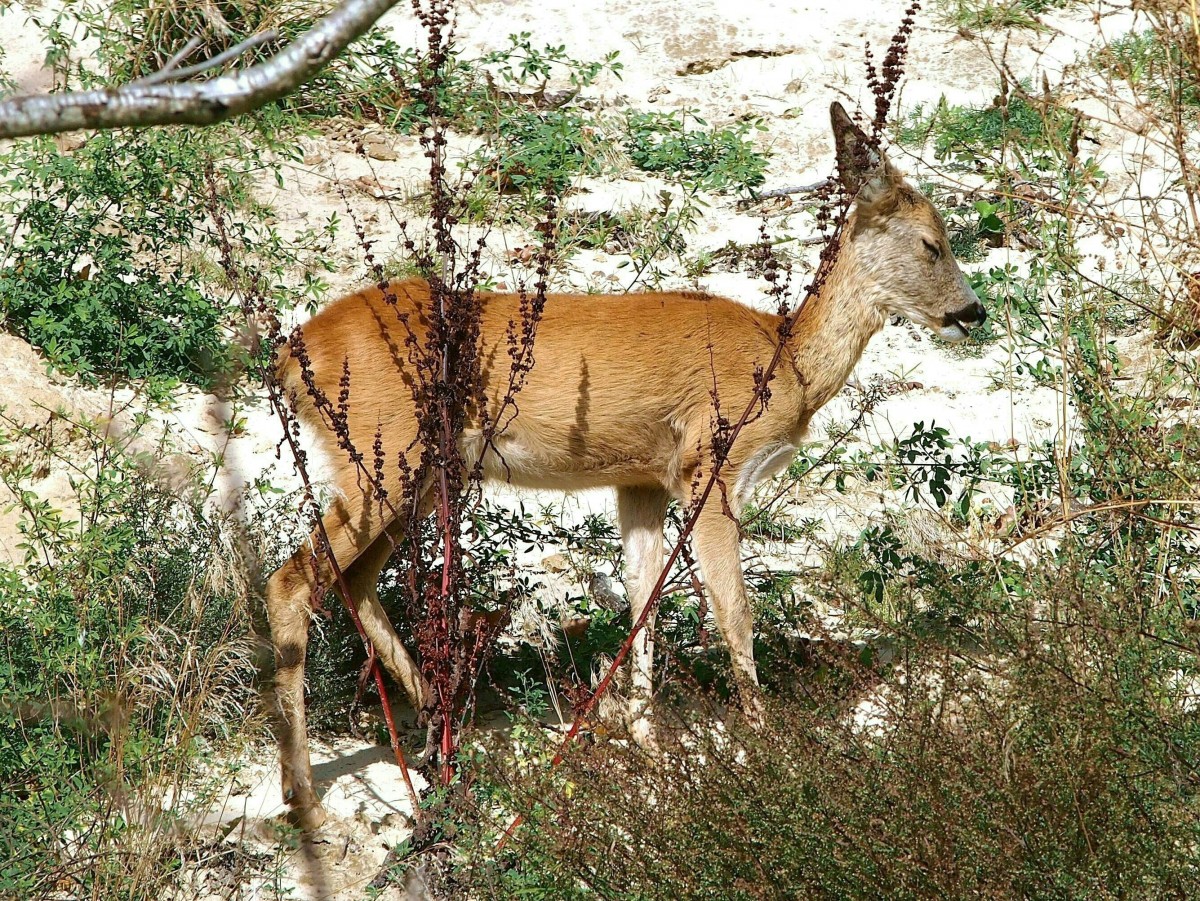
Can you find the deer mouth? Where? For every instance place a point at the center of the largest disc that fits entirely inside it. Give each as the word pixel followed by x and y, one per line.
pixel 952 330
pixel 956 326
pixel 954 334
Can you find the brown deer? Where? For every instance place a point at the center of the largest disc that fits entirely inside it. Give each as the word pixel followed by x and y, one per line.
pixel 620 395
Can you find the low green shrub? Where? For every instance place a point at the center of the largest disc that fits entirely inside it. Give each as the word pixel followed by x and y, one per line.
pixel 108 265
pixel 124 660
pixel 986 15
pixel 711 159
pixel 98 273
pixel 969 135
pixel 1153 67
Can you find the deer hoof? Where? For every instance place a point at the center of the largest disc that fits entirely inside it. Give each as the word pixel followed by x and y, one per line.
pixel 309 818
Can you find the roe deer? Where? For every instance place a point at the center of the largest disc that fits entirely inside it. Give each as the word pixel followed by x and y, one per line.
pixel 620 396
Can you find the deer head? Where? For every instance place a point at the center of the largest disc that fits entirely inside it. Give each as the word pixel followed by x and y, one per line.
pixel 899 241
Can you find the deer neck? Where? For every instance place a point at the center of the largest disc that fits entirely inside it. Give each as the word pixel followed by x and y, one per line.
pixel 835 325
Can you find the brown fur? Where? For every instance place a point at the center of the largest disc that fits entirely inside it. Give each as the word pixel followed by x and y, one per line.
pixel 620 395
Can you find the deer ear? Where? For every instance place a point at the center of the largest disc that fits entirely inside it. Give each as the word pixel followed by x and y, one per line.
pixel 856 160
pixel 864 170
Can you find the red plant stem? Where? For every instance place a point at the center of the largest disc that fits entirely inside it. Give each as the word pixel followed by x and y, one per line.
pixel 449 448
pixel 448 548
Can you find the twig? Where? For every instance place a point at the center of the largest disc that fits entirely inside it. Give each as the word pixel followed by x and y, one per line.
pixel 795 189
pixel 188 49
pixel 217 61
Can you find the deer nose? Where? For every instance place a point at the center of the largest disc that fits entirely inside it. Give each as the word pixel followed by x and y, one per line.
pixel 970 316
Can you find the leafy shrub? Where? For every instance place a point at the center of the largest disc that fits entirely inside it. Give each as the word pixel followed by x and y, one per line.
pixel 716 159
pixel 105 269
pixel 969 134
pixel 1154 64
pixel 123 654
pixel 541 150
pixel 97 274
pixel 476 94
pixel 998 14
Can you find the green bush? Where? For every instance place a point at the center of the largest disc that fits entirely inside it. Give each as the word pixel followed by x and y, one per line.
pixel 109 268
pixel 1154 67
pixel 713 159
pixel 101 270
pixel 998 14
pixel 123 656
pixel 970 134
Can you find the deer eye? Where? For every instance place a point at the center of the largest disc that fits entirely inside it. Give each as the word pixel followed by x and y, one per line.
pixel 935 252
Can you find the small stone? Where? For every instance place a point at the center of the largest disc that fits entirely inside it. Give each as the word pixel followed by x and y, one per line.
pixel 379 149
pixel 701 66
pixel 70 141
pixel 1134 119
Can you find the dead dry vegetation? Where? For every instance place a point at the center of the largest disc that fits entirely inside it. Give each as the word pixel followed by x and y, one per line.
pixel 976 590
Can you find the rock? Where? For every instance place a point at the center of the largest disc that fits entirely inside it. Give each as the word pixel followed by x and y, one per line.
pixel 702 66
pixel 377 148
pixel 1134 119
pixel 70 141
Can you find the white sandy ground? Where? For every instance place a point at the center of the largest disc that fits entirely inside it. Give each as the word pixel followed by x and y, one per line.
pixel 783 62
pixel 369 809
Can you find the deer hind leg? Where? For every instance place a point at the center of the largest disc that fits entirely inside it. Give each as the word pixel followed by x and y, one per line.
pixel 352 526
pixel 290 594
pixel 362 579
pixel 642 512
pixel 717 546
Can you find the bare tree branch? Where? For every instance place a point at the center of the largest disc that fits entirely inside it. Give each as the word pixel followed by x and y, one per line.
pixel 795 189
pixel 195 103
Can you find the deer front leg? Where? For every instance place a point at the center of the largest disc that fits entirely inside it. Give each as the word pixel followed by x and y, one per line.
pixel 717 546
pixel 642 512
